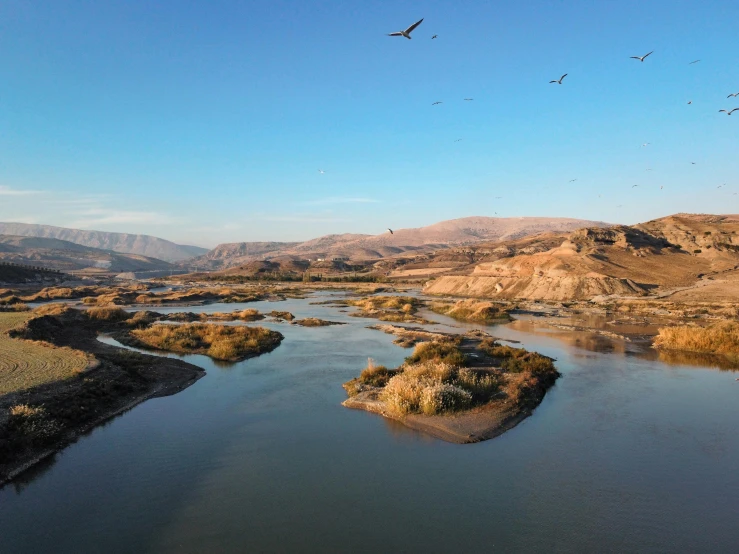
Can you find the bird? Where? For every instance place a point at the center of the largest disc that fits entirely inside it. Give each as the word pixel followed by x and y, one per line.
pixel 468 99
pixel 321 171
pixel 457 140
pixel 646 144
pixel 434 104
pixel 729 112
pixel 573 180
pixel 407 32
pixel 498 197
pixel 718 187
pixel 559 82
pixel 433 37
pixel 661 187
pixel 692 163
pixel 632 186
pixel 690 101
pixel 391 231
pixel 642 58
pixel 733 95
pixel 694 61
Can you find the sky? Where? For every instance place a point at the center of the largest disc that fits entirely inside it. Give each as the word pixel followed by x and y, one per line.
pixel 207 121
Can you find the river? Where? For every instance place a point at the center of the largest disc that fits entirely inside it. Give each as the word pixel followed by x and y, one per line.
pixel 625 454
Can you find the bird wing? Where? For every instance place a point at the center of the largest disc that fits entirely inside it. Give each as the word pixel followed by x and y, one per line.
pixel 735 109
pixel 398 34
pixel 645 55
pixel 722 111
pixel 562 77
pixel 416 24
pixel 550 82
pixel 636 57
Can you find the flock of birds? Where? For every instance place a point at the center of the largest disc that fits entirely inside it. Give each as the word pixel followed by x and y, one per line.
pixel 406 33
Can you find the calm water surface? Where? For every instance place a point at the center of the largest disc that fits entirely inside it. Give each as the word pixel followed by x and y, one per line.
pixel 627 453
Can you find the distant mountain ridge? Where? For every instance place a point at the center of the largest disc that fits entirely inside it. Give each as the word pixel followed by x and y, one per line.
pixel 445 234
pixel 68 256
pixel 143 245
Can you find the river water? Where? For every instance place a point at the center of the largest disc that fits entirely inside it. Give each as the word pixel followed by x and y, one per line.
pixel 627 453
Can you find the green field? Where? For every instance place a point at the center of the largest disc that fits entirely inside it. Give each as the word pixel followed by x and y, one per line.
pixel 25 364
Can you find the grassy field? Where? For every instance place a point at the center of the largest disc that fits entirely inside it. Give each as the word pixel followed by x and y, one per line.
pixel 719 338
pixel 25 364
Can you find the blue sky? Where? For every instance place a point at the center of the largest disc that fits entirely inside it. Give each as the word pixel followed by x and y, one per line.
pixel 207 122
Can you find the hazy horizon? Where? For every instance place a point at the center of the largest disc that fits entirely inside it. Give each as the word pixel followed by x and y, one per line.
pixel 208 123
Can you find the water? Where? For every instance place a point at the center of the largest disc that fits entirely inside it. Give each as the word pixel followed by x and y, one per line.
pixel 626 453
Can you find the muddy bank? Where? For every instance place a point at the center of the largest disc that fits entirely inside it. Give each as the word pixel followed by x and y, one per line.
pixel 36 423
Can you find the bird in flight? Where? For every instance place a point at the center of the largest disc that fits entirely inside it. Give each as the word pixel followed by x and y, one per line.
pixel 642 58
pixel 391 231
pixel 433 37
pixel 498 197
pixel 573 180
pixel 661 187
pixel 729 112
pixel 434 104
pixel 718 187
pixel 646 143
pixel 457 140
pixel 407 32
pixel 733 95
pixel 694 61
pixel 690 101
pixel 321 171
pixel 693 163
pixel 468 99
pixel 559 82
pixel 632 186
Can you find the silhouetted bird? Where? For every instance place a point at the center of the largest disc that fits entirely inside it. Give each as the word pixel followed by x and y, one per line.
pixel 407 32
pixel 321 171
pixel 434 104
pixel 694 61
pixel 559 82
pixel 391 231
pixel 733 95
pixel 433 37
pixel 729 112
pixel 641 58
pixel 468 99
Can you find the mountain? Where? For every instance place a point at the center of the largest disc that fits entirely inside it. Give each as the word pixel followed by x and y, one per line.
pixel 455 232
pixel 681 257
pixel 143 245
pixel 68 256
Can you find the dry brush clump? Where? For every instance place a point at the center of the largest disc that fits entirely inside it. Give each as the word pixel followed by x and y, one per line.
pixel 517 360
pixel 474 311
pixel 372 376
pixel 221 342
pixel 719 338
pixel 443 351
pixel 111 314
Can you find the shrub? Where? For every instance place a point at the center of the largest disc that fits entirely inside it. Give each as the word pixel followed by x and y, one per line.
pixel 443 397
pixel 444 352
pixel 482 386
pixel 375 375
pixel 108 313
pixel 473 310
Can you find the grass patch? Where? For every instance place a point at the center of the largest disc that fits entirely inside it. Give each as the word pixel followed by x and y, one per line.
pixel 108 313
pixel 518 360
pixel 475 311
pixel 25 364
pixel 446 352
pixel 221 342
pixel 719 338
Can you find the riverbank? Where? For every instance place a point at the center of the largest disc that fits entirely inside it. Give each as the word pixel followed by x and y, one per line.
pixel 39 421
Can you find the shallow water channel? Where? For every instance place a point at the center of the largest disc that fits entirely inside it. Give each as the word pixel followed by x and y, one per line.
pixel 626 454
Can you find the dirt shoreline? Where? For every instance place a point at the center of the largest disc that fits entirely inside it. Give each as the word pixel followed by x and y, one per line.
pixel 121 380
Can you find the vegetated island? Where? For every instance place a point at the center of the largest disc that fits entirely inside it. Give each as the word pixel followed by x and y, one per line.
pixel 459 388
pixel 401 309
pixel 57 381
pixel 474 311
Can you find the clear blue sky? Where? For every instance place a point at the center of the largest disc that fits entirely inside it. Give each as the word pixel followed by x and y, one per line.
pixel 207 121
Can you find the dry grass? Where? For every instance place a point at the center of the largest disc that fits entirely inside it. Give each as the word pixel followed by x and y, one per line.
pixel 372 376
pixel 315 322
pixel 518 360
pixel 109 313
pixel 249 314
pixel 57 308
pixel 406 304
pixel 719 338
pixel 446 352
pixel 221 342
pixel 25 364
pixel 474 311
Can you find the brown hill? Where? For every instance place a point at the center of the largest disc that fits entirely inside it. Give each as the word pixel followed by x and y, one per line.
pixel 446 234
pixel 68 256
pixel 670 255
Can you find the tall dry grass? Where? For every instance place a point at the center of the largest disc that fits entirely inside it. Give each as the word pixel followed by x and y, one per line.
pixel 477 311
pixel 719 338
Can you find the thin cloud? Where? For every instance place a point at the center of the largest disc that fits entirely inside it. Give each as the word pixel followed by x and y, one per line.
pixel 7 191
pixel 341 200
pixel 102 216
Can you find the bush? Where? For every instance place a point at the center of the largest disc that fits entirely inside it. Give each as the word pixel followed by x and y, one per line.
pixel 443 352
pixel 108 313
pixel 374 375
pixel 443 397
pixel 473 310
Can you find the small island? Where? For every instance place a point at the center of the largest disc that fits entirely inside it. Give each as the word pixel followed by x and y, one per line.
pixel 459 388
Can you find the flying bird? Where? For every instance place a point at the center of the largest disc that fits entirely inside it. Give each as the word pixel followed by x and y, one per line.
pixel 646 143
pixel 729 112
pixel 391 231
pixel 407 32
pixel 468 99
pixel 642 58
pixel 433 37
pixel 321 171
pixel 434 104
pixel 690 101
pixel 693 163
pixel 694 61
pixel 661 187
pixel 573 180
pixel 559 82
pixel 457 140
pixel 733 95
pixel 498 197
pixel 632 186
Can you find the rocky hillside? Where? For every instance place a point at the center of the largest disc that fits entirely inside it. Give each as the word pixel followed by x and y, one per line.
pixel 68 256
pixel 664 256
pixel 143 245
pixel 446 234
